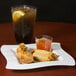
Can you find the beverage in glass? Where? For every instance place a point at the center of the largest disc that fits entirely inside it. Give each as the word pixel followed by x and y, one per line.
pixel 44 42
pixel 23 20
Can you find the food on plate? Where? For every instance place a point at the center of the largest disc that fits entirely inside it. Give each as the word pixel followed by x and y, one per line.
pixel 23 55
pixel 53 57
pixel 43 55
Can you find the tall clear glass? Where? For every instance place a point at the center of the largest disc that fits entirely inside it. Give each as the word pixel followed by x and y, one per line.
pixel 23 20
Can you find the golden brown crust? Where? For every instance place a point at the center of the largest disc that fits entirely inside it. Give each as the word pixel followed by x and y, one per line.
pixel 42 55
pixel 25 57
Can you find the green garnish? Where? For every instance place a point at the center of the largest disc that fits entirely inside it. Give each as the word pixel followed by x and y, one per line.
pixel 53 56
pixel 23 50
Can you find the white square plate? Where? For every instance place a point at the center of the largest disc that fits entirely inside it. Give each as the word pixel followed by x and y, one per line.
pixel 9 52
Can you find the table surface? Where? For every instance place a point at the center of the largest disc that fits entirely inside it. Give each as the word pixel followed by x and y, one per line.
pixel 65 33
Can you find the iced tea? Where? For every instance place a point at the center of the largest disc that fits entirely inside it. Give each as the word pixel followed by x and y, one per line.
pixel 23 20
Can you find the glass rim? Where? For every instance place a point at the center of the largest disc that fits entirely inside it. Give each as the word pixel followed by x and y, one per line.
pixel 22 6
pixel 44 36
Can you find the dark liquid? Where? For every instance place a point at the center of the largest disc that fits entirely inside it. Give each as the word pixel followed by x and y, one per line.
pixel 24 28
pixel 25 37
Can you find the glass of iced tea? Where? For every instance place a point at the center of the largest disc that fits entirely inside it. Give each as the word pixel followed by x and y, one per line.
pixel 23 20
pixel 44 42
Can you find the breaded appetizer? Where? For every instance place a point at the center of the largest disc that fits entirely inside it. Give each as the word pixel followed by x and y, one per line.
pixel 43 55
pixel 23 55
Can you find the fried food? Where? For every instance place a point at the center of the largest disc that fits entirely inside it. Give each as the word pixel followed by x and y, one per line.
pixel 42 55
pixel 23 55
pixel 26 56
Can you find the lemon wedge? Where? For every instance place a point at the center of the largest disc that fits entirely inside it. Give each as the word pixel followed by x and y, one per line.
pixel 17 15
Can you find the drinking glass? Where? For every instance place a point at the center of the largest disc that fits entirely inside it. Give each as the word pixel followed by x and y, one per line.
pixel 23 20
pixel 44 42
